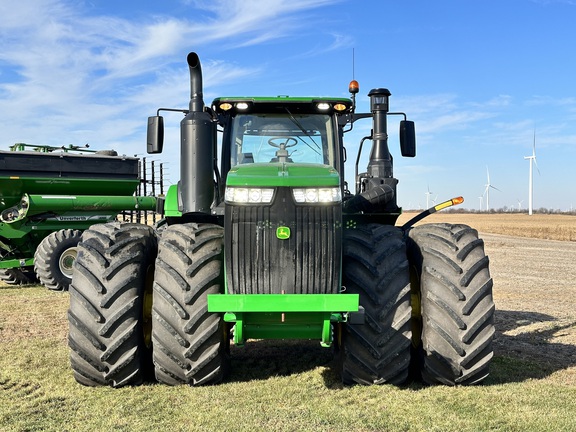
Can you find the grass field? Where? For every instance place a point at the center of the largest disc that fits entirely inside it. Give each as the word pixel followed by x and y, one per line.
pixel 286 386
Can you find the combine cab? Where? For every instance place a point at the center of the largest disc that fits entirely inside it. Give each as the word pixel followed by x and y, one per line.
pixel 272 244
pixel 47 198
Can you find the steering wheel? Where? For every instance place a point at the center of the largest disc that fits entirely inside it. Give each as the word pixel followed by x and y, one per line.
pixel 284 144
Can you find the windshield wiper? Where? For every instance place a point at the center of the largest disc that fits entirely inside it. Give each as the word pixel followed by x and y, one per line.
pixel 318 151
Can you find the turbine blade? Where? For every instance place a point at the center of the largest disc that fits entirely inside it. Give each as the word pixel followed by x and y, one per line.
pixel 537 169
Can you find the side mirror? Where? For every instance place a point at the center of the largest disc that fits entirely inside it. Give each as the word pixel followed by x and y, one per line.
pixel 407 138
pixel 155 134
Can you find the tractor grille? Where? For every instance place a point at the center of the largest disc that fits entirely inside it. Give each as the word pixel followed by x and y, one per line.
pixel 258 262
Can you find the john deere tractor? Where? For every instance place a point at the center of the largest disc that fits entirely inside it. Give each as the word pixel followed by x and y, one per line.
pixel 271 243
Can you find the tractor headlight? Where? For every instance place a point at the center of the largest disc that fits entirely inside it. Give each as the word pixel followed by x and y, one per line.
pixel 249 195
pixel 317 195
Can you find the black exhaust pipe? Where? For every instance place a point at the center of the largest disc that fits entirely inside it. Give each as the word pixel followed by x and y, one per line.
pixel 196 94
pixel 197 142
pixel 377 188
pixel 380 164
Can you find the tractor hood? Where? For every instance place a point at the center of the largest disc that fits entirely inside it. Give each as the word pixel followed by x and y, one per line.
pixel 283 174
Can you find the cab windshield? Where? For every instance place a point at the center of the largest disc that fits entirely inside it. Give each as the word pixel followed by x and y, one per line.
pixel 290 138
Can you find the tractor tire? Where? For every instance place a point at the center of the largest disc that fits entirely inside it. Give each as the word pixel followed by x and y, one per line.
pixel 190 344
pixel 54 259
pixel 375 265
pixel 452 302
pixel 17 276
pixel 110 305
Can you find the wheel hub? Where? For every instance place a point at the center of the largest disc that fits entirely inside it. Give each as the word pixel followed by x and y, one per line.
pixel 66 261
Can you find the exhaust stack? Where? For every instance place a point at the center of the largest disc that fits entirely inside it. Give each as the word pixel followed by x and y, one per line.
pixel 198 143
pixel 377 192
pixel 380 165
pixel 196 94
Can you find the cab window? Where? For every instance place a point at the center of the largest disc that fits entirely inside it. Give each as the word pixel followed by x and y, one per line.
pixel 298 138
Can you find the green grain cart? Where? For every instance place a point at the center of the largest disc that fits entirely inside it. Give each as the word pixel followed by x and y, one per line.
pixel 272 244
pixel 48 196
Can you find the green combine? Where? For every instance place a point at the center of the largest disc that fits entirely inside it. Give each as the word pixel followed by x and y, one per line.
pixel 271 243
pixel 48 196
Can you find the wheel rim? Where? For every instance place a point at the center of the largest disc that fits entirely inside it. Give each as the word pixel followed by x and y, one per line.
pixel 66 261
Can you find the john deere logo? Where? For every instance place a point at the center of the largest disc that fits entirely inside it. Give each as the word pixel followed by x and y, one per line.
pixel 283 232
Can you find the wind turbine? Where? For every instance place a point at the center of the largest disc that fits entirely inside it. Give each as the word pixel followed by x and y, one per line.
pixel 487 190
pixel 481 198
pixel 428 197
pixel 531 159
pixel 520 204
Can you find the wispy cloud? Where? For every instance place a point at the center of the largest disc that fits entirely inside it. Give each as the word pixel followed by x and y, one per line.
pixel 250 22
pixel 68 75
pixel 446 112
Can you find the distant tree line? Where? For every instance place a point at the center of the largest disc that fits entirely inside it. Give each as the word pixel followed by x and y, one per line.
pixel 506 209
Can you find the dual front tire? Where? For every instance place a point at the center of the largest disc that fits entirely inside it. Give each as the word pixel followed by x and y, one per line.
pixel 127 320
pixel 428 305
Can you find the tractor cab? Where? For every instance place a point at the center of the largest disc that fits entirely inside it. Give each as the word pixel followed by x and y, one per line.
pixel 280 130
pixel 282 184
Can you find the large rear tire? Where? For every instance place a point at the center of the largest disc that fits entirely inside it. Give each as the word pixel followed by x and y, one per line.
pixel 376 267
pixel 109 315
pixel 453 306
pixel 54 259
pixel 190 344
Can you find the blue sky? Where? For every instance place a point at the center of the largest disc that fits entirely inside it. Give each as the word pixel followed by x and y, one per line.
pixel 479 78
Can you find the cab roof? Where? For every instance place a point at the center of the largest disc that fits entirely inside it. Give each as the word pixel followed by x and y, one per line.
pixel 279 104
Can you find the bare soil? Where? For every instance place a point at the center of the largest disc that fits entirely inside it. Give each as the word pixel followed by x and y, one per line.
pixel 534 286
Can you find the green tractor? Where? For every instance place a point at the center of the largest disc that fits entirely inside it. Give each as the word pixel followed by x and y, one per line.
pixel 272 244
